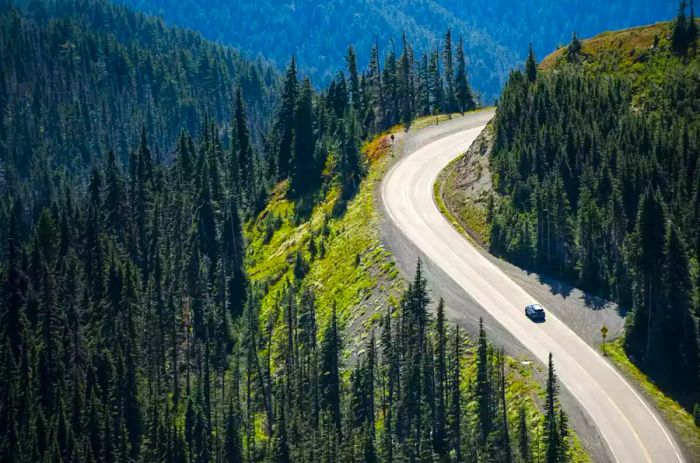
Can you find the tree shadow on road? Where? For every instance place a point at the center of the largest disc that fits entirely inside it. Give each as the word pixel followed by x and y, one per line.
pixel 595 302
pixel 556 287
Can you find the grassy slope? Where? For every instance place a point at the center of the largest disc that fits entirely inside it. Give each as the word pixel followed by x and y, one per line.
pixel 642 55
pixel 359 290
pixel 674 414
pixel 615 50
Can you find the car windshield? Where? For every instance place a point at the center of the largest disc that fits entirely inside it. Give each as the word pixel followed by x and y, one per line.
pixel 538 308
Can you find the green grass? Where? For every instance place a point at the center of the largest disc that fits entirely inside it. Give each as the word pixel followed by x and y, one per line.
pixel 680 420
pixel 358 290
pixel 621 47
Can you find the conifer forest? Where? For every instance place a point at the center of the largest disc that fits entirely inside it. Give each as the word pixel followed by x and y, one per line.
pixel 138 163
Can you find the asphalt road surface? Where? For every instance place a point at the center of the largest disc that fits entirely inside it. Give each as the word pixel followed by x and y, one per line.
pixel 632 430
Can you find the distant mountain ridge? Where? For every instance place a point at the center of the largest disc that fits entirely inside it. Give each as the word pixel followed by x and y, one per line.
pixel 496 33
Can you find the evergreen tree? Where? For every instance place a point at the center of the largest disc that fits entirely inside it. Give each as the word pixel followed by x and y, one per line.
pixel 448 61
pixel 14 286
pixel 692 31
pixel 279 452
pixel 679 33
pixel 504 441
pixel 115 196
pixel 234 252
pixel 523 437
pixel 531 65
pixel 374 92
pixel 14 347
pixel 455 404
pixel 354 81
pixel 245 155
pixel 205 220
pixel 142 195
pixel 423 87
pixel 406 90
pixel 483 386
pixel 303 169
pixel 563 436
pixel 329 379
pixel 552 434
pixel 463 94
pixel 440 432
pixel 435 83
pixel 573 50
pixel 285 122
pixel 646 263
pixel 676 332
pixel 349 168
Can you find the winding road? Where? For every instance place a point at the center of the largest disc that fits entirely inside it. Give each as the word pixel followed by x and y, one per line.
pixel 632 430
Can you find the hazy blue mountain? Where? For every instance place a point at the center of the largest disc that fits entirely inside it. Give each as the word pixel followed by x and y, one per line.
pixel 496 33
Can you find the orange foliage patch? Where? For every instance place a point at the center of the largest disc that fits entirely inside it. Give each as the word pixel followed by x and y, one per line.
pixel 377 148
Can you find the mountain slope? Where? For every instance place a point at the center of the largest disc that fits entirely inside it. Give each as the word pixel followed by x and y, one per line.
pixel 141 320
pixel 596 181
pixel 81 78
pixel 496 33
pixel 334 259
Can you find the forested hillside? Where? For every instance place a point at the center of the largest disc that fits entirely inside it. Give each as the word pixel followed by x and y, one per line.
pixel 84 78
pixel 318 32
pixel 130 329
pixel 595 162
pixel 80 79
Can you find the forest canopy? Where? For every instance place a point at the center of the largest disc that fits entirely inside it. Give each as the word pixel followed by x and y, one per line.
pixel 598 179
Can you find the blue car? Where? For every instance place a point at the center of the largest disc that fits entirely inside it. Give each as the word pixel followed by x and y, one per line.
pixel 535 312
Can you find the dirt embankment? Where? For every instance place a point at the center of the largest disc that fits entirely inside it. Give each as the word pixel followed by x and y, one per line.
pixel 465 188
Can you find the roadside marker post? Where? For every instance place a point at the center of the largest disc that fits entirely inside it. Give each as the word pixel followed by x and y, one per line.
pixel 604 332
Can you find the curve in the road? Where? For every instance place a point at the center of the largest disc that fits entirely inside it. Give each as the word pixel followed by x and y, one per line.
pixel 632 430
